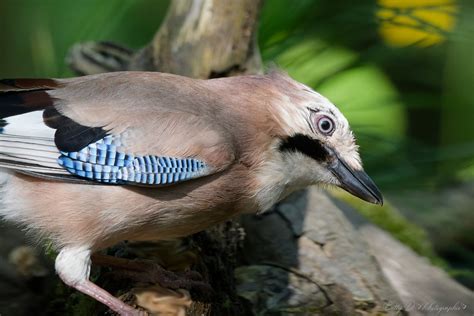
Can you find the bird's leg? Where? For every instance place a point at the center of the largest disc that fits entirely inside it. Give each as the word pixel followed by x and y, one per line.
pixel 73 267
pixel 147 271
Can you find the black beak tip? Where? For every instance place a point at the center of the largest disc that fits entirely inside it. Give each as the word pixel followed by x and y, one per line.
pixel 371 192
pixel 380 202
pixel 356 182
pixel 378 198
pixel 371 196
pixel 359 184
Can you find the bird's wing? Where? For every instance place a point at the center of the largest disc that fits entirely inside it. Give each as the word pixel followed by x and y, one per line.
pixel 123 128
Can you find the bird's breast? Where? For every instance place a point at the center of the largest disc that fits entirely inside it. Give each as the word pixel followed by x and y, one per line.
pixel 101 215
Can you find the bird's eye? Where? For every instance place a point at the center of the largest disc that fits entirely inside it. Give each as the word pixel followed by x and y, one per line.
pixel 325 125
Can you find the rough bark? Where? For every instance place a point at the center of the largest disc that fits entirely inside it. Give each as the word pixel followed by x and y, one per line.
pixel 305 257
pixel 423 288
pixel 204 39
pixel 198 38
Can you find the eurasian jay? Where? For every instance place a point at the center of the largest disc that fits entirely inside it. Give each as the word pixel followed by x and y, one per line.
pixel 95 160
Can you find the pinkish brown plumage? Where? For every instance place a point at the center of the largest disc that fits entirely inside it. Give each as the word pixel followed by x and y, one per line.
pixel 258 138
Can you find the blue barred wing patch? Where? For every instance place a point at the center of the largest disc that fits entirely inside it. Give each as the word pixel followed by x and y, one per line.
pixel 101 162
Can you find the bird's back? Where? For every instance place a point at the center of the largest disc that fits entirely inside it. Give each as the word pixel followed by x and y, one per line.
pixel 155 146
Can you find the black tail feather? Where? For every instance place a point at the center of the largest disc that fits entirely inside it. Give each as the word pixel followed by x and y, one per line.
pixel 8 85
pixel 18 96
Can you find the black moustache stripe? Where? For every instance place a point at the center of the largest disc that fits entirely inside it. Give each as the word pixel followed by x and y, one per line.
pixel 306 145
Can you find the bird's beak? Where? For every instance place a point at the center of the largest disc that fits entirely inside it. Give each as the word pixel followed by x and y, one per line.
pixel 356 182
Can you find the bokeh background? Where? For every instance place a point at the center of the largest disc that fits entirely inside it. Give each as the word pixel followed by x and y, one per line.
pixel 401 70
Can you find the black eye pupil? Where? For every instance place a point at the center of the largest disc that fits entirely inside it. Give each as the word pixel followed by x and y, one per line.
pixel 325 125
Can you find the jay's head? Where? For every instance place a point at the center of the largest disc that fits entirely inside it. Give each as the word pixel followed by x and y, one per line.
pixel 317 141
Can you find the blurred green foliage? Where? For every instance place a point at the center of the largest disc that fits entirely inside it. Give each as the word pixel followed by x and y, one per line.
pixel 35 35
